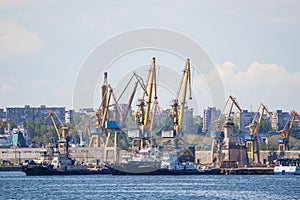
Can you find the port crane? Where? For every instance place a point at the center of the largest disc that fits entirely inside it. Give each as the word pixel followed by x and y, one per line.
pixel 139 81
pixel 142 115
pixel 60 133
pixel 63 138
pixel 101 115
pixel 178 115
pixel 285 133
pixel 143 112
pixel 233 102
pixel 252 144
pixel 218 136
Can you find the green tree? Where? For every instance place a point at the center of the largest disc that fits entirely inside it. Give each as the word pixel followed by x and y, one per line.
pixel 265 126
pixel 40 132
pixel 4 124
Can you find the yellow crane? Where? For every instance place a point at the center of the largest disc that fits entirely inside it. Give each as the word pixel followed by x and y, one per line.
pixel 60 133
pixel 102 111
pixel 252 141
pixel 217 136
pixel 285 134
pixel 143 114
pixel 185 84
pixel 98 138
pixel 228 115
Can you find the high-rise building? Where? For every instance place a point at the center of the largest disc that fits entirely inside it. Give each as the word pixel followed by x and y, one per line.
pixel 188 120
pixel 20 115
pixel 2 113
pixel 69 116
pixel 209 115
pixel 278 119
pixel 242 119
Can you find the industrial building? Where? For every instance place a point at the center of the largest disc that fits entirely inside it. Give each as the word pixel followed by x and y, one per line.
pixel 20 114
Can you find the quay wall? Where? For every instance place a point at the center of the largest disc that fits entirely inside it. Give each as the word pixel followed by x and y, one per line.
pixel 266 157
pixel 81 154
pixel 91 155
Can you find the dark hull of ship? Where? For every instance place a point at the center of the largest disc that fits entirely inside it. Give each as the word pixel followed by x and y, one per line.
pixel 46 170
pixel 123 169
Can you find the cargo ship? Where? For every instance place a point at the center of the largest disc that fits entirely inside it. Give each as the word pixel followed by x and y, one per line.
pixel 168 164
pixel 61 165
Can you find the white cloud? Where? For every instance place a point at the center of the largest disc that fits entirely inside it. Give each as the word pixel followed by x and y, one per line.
pixel 268 83
pixel 16 40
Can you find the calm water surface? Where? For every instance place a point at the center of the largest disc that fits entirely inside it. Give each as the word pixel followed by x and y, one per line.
pixel 15 185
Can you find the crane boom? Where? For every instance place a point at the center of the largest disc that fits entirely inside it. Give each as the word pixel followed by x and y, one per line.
pixel 60 134
pixel 252 142
pixel 142 113
pixel 185 83
pixel 233 102
pixel 255 128
pixel 285 134
pixel 150 83
pixel 228 115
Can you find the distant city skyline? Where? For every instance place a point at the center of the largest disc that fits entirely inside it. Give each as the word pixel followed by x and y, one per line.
pixel 253 44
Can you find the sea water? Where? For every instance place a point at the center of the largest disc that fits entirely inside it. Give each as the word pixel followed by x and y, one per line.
pixel 16 185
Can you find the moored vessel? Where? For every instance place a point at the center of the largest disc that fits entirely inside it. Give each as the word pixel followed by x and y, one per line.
pixel 61 165
pixel 288 166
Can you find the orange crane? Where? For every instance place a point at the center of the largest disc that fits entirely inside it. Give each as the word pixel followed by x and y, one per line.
pixel 101 114
pixel 285 133
pixel 60 133
pixel 228 115
pixel 252 140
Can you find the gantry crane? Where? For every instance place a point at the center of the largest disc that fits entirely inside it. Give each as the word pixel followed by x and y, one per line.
pixel 218 136
pixel 252 144
pixel 285 133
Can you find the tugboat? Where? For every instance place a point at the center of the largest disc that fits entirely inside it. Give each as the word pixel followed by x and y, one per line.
pixel 61 164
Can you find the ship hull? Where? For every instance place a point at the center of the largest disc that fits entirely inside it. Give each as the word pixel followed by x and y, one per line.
pixel 123 169
pixel 46 170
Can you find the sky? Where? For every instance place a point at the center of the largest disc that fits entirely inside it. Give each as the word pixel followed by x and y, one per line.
pixel 254 44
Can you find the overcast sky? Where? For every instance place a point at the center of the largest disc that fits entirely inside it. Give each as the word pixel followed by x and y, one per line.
pixel 254 44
